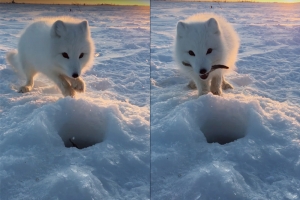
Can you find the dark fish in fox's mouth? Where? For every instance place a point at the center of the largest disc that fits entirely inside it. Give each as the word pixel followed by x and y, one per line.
pixel 204 76
pixel 214 67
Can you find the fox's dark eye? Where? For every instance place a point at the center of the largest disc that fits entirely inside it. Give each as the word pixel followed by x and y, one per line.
pixel 81 55
pixel 191 53
pixel 65 55
pixel 209 51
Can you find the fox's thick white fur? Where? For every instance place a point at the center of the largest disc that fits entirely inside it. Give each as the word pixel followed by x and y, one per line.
pixel 198 33
pixel 60 48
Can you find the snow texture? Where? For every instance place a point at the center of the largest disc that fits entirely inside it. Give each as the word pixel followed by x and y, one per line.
pixel 109 123
pixel 246 143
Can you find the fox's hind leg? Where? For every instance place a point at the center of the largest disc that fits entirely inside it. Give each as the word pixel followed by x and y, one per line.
pixel 226 85
pixel 30 73
pixel 215 86
pixel 20 65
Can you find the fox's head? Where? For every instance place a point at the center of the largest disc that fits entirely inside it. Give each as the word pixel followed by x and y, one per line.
pixel 198 46
pixel 72 47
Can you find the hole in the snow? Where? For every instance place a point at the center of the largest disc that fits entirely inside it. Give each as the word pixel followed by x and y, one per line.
pixel 80 134
pixel 225 122
pixel 80 124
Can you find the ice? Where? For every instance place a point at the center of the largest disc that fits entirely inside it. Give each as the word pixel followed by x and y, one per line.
pixel 109 123
pixel 245 144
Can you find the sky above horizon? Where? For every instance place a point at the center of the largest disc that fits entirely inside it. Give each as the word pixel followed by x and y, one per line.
pixel 117 2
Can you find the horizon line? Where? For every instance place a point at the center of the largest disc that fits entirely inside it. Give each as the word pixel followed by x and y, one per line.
pixel 225 1
pixel 76 4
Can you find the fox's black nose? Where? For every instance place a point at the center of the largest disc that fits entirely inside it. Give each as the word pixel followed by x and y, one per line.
pixel 74 75
pixel 202 71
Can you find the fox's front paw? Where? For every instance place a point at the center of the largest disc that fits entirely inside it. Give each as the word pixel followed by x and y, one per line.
pixel 192 85
pixel 226 86
pixel 78 85
pixel 217 91
pixel 25 89
pixel 69 92
pixel 204 92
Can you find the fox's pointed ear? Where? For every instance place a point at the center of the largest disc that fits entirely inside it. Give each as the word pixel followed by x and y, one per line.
pixel 213 26
pixel 181 28
pixel 84 25
pixel 58 29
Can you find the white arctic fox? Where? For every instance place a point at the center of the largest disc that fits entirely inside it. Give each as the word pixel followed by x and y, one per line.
pixel 206 43
pixel 60 48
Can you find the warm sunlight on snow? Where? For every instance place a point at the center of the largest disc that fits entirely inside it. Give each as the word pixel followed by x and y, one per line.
pixel 258 121
pixel 43 135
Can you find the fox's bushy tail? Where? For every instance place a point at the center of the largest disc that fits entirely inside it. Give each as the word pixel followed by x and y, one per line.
pixel 13 59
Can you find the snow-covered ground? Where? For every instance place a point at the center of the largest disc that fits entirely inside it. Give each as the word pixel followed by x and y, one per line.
pixel 114 113
pixel 263 110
